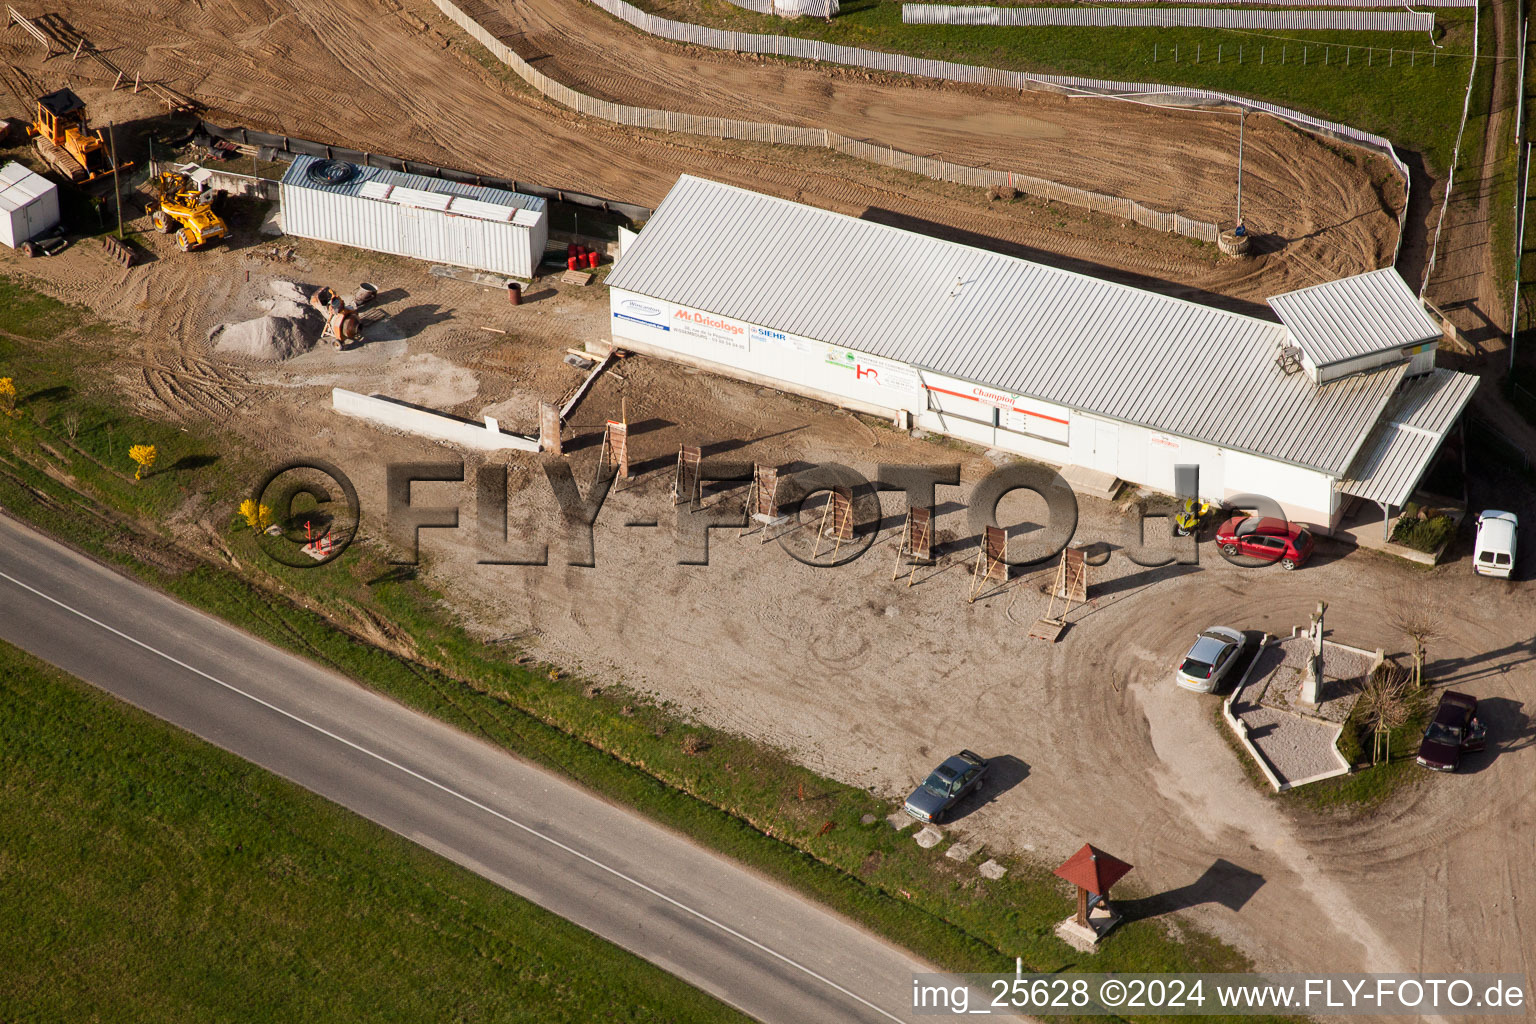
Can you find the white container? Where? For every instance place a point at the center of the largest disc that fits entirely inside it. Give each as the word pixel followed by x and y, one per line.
pixel 417 216
pixel 29 205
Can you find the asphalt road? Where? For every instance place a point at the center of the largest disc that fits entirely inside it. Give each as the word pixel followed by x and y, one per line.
pixel 758 947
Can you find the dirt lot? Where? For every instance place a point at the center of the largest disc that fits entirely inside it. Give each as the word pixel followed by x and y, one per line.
pixel 871 681
pixel 1293 187
pixel 867 680
pixel 400 79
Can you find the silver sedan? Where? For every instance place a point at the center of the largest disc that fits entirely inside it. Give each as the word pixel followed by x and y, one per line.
pixel 1210 659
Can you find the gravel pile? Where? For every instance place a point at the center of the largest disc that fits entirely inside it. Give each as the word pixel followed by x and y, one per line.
pixel 289 327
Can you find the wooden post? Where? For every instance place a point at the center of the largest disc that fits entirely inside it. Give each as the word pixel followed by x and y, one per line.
pixel 549 428
pixel 1082 906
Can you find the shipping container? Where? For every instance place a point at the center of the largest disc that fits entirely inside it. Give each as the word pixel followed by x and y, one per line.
pixel 414 215
pixel 29 205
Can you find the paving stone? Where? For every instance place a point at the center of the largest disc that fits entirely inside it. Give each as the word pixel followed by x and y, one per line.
pixel 963 851
pixel 929 837
pixel 868 819
pixel 899 820
pixel 992 869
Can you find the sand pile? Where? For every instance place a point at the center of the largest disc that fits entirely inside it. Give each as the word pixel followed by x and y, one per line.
pixel 289 327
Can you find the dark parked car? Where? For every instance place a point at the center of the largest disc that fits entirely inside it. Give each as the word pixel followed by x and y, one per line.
pixel 949 782
pixel 1273 540
pixel 1454 731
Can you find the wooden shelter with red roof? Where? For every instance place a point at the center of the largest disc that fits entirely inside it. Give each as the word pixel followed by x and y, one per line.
pixel 1093 871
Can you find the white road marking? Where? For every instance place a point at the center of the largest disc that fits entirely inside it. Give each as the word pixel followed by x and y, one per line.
pixel 455 793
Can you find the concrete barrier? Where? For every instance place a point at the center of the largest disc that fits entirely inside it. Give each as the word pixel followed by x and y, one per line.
pixel 391 412
pixel 211 178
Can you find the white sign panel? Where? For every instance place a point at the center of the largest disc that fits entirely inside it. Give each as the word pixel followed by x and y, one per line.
pixel 792 342
pixel 681 320
pixel 708 327
pixel 879 372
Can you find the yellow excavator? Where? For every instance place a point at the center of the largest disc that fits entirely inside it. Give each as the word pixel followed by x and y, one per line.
pixel 179 201
pixel 66 140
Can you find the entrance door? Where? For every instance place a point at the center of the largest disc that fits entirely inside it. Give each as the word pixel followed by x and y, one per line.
pixel 1106 447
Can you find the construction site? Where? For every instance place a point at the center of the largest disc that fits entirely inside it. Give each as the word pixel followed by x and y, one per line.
pixel 454 261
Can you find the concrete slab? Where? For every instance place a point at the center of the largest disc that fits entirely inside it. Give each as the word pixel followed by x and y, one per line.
pixel 900 820
pixel 1084 940
pixel 1092 482
pixel 963 851
pixel 928 837
pixel 992 869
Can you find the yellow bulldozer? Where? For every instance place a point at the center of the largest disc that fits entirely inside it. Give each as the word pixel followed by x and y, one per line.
pixel 66 140
pixel 179 201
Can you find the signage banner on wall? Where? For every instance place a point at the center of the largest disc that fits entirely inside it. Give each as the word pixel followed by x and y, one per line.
pixel 804 346
pixel 1164 441
pixel 879 372
pixel 666 316
pixel 707 327
pixel 996 399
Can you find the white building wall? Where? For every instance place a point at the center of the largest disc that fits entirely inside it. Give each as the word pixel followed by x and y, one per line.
pixel 496 246
pixel 1036 430
pixel 1305 495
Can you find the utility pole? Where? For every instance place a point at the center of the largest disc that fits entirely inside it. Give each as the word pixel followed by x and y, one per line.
pixel 1242 119
pixel 117 189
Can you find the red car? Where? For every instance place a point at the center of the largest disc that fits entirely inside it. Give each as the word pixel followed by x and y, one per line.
pixel 1266 538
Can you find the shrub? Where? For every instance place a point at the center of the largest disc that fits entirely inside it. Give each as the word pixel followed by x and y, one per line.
pixel 1421 534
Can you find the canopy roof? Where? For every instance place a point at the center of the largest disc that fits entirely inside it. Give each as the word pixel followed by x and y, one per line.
pixel 1395 456
pixel 1092 869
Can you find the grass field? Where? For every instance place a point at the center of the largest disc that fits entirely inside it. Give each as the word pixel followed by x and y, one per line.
pixel 384 626
pixel 148 876
pixel 1395 84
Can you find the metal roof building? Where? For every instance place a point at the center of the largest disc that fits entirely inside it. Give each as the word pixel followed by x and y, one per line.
pixel 1044 362
pixel 414 215
pixel 1345 326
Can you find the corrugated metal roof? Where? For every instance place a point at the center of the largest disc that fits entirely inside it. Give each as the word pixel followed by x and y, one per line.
pixel 1355 316
pixel 19 186
pixel 1007 323
pixel 1394 459
pixel 297 175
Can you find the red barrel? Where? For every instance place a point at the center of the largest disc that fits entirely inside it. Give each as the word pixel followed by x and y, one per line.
pixel 572 262
pixel 570 248
pixel 514 293
pixel 593 259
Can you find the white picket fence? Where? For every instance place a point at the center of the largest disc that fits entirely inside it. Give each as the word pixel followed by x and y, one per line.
pixel 790 8
pixel 1170 17
pixel 900 63
pixel 787 135
pixel 1302 3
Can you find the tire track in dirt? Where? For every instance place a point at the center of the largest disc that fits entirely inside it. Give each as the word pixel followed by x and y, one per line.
pixel 360 73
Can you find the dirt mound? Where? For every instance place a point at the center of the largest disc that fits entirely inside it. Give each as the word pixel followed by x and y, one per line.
pixel 290 326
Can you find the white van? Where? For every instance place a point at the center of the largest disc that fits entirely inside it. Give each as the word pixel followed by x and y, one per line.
pixel 1494 552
